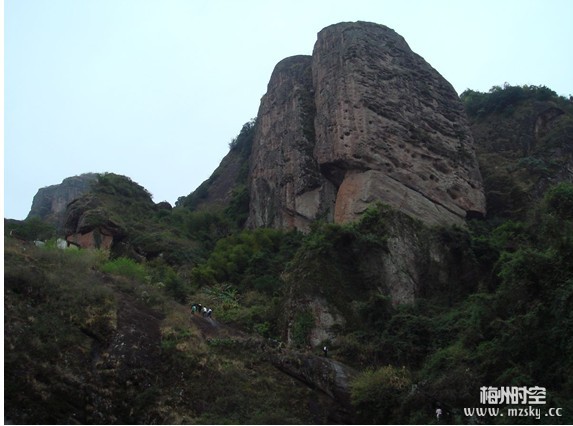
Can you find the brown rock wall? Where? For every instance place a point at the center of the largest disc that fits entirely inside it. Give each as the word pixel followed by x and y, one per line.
pixel 94 239
pixel 286 187
pixel 392 126
pixel 364 119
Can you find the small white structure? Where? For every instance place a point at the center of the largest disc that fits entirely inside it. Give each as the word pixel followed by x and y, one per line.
pixel 61 244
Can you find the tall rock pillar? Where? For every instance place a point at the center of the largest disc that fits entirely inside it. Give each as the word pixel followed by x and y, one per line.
pixel 390 128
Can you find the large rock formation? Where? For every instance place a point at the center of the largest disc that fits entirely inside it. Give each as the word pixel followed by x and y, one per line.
pixel 287 189
pixel 50 202
pixel 364 119
pixel 88 224
pixel 329 376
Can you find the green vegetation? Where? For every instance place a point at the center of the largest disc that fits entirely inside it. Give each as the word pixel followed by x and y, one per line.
pixel 49 315
pixel 523 140
pixel 379 394
pixel 499 335
pixel 125 267
pixel 302 326
pixel 249 259
pixel 30 229
pixel 559 201
pixel 503 99
pixel 95 337
pixel 491 329
pixel 237 164
pixel 244 141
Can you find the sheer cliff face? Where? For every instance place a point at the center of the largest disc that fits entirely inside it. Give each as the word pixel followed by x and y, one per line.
pixel 363 120
pixel 287 189
pixel 50 203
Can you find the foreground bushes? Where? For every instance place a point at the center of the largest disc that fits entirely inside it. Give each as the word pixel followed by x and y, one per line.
pixel 378 394
pixel 125 267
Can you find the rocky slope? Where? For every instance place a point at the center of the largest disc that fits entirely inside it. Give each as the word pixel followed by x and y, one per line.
pixel 107 349
pixel 363 119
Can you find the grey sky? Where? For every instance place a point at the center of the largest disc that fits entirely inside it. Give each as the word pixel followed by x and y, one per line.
pixel 156 89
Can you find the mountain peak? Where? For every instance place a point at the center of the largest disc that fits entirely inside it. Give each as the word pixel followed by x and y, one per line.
pixel 364 119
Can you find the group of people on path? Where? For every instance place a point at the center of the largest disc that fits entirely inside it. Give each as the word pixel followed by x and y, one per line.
pixel 198 308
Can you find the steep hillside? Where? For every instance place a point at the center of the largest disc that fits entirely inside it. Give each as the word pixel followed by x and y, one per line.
pixel 226 189
pixel 110 348
pixel 413 318
pixel 417 311
pixel 524 142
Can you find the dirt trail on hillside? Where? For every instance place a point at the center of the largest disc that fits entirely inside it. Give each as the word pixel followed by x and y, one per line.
pixel 325 374
pixel 211 328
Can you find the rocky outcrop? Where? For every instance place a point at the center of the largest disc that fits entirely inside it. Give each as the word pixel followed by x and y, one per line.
pixel 88 224
pixel 96 238
pixel 364 119
pixel 50 202
pixel 349 277
pixel 329 376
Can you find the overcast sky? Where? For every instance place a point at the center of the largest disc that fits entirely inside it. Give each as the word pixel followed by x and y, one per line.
pixel 156 89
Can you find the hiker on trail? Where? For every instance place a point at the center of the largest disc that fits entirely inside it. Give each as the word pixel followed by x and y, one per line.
pixel 194 308
pixel 438 413
pixel 209 311
pixel 204 311
pixel 325 350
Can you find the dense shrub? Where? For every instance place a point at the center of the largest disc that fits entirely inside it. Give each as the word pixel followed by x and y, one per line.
pixel 114 184
pixel 238 209
pixel 302 326
pixel 559 200
pixel 244 141
pixel 499 98
pixel 245 258
pixel 125 267
pixel 30 229
pixel 378 394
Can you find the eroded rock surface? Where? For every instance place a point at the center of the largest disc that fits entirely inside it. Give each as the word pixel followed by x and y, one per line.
pixel 50 202
pixel 287 189
pixel 329 376
pixel 364 119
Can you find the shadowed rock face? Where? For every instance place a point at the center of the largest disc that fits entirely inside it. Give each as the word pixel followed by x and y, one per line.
pixel 327 375
pixel 364 119
pixel 50 203
pixel 287 189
